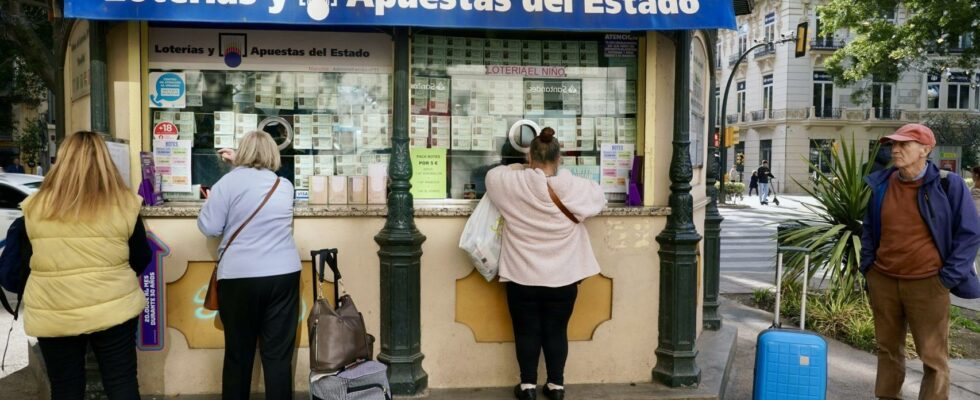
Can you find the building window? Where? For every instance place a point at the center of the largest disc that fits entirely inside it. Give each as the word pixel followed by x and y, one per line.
pixel 889 14
pixel 466 97
pixel 767 96
pixel 881 100
pixel 822 39
pixel 718 115
pixel 958 91
pixel 976 94
pixel 740 101
pixel 770 27
pixel 963 42
pixel 718 56
pixel 933 85
pixel 821 158
pixel 823 95
pixel 765 151
pixel 743 39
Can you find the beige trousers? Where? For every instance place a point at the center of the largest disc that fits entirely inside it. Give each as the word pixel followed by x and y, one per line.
pixel 919 305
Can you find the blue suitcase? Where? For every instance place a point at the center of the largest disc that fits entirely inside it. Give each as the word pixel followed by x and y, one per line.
pixel 790 364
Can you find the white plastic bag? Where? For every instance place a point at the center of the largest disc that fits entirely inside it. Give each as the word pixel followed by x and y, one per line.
pixel 481 238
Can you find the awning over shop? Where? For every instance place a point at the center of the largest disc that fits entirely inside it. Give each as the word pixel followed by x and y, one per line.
pixel 571 15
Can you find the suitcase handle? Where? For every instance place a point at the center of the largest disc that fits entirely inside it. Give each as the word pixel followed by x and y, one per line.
pixel 320 260
pixel 779 283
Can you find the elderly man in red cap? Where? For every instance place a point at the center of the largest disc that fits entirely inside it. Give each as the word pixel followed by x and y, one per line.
pixel 920 238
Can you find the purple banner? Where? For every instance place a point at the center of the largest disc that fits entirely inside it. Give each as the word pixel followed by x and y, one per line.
pixel 153 317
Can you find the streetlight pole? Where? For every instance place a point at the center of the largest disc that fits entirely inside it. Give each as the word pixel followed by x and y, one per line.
pixel 724 117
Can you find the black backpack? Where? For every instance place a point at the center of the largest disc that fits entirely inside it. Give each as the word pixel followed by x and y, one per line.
pixel 15 264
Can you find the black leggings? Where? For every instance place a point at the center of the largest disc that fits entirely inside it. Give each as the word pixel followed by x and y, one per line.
pixel 115 349
pixel 263 310
pixel 540 316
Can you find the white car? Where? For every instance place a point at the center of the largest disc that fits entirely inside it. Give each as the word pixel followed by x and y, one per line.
pixel 14 188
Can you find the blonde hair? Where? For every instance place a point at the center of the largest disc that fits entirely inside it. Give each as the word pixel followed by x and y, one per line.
pixel 258 150
pixel 83 184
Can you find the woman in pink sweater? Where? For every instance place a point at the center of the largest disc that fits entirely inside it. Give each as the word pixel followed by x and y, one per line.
pixel 545 253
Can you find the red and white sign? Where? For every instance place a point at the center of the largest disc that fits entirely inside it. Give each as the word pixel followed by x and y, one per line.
pixel 165 130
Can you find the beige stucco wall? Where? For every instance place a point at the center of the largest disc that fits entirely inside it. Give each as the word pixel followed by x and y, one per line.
pixel 622 349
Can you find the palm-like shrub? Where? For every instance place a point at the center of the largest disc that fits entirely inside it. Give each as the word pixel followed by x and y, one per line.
pixel 833 235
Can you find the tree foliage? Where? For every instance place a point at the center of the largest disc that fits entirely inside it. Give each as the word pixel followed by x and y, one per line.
pixel 927 39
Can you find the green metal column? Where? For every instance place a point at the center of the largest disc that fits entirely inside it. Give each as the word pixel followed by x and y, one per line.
pixel 401 249
pixel 98 77
pixel 678 244
pixel 712 218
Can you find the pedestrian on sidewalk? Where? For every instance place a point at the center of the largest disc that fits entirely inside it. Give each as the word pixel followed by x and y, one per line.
pixel 544 255
pixel 921 234
pixel 754 183
pixel 259 274
pixel 764 176
pixel 88 245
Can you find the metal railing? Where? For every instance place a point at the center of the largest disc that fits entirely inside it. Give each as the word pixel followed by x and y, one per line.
pixel 828 113
pixel 731 118
pixel 760 115
pixel 732 60
pixel 790 114
pixel 822 43
pixel 887 113
pixel 764 52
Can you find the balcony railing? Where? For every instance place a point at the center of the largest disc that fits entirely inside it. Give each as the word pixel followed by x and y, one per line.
pixel 828 113
pixel 760 115
pixel 763 52
pixel 887 113
pixel 732 60
pixel 731 119
pixel 791 114
pixel 822 43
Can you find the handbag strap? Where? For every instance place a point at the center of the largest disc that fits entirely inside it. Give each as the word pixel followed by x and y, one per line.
pixel 561 206
pixel 249 219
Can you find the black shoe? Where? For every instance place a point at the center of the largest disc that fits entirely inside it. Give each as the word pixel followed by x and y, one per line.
pixel 526 394
pixel 557 394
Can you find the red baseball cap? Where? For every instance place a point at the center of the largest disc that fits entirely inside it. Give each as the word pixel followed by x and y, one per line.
pixel 912 132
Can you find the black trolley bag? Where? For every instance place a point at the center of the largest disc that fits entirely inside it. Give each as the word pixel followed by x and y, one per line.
pixel 362 379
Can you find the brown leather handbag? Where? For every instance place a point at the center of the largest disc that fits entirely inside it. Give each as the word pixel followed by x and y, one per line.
pixel 211 299
pixel 338 338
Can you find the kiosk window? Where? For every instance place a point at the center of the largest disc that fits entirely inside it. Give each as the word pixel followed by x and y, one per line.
pixel 470 92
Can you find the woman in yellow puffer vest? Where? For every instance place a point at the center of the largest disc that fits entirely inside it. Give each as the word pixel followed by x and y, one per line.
pixel 88 246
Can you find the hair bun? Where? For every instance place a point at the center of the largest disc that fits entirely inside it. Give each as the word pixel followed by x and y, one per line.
pixel 547 135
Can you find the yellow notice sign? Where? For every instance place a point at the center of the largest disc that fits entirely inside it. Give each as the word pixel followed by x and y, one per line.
pixel 428 173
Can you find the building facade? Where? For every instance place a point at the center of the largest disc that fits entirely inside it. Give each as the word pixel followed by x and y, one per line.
pixel 788 111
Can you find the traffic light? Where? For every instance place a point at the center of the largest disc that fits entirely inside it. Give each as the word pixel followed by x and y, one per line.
pixel 801 37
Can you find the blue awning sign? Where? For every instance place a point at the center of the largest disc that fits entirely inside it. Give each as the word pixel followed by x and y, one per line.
pixel 577 15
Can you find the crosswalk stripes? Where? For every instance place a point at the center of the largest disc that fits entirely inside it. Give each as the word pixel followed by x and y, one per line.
pixel 748 238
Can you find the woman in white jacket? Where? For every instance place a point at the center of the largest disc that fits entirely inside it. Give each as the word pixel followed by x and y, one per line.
pixel 545 254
